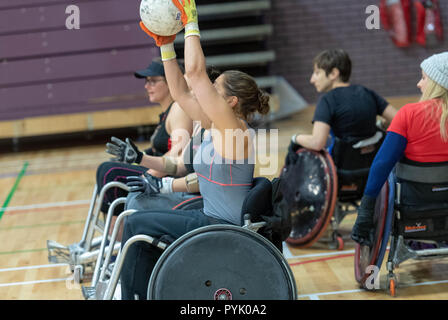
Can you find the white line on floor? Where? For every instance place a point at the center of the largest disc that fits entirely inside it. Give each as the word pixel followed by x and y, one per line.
pixel 315 296
pixel 31 282
pixel 34 267
pixel 47 205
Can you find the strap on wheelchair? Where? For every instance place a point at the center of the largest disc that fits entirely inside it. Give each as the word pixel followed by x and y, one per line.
pixel 369 141
pixel 422 174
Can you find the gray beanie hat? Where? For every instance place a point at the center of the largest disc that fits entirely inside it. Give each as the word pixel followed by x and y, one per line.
pixel 436 67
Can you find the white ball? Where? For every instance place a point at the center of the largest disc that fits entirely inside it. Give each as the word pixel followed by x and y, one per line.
pixel 161 17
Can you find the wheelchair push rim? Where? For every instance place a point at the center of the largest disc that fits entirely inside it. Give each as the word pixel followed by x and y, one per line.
pixel 311 212
pixel 197 267
pixel 366 256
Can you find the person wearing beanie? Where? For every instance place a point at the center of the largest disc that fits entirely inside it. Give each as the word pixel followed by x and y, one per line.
pixel 418 132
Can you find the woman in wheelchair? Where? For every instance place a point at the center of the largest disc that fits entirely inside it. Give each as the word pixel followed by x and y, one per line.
pixel 418 133
pixel 167 140
pixel 166 157
pixel 346 111
pixel 224 169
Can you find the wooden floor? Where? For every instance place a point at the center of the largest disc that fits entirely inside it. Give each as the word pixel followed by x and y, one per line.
pixel 50 199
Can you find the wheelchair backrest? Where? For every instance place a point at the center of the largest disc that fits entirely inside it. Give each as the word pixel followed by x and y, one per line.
pixel 353 165
pixel 347 157
pixel 422 200
pixel 422 184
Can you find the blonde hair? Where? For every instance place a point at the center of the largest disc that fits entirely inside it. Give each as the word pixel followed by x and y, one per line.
pixel 434 91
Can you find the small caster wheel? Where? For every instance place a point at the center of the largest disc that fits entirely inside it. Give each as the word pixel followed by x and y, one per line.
pixel 78 273
pixel 340 243
pixel 392 285
pixel 337 242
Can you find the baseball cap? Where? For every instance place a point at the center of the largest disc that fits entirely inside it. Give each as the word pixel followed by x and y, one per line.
pixel 154 69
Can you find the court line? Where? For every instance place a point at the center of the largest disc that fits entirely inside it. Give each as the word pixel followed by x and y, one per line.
pixel 313 296
pixel 54 159
pixel 288 255
pixel 322 259
pixel 43 225
pixel 23 251
pixel 31 282
pixel 13 190
pixel 51 170
pixel 50 205
pixel 54 265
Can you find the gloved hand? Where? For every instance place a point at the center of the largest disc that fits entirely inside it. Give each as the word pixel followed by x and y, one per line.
pixel 124 151
pixel 149 184
pixel 160 40
pixel 291 156
pixel 363 230
pixel 189 16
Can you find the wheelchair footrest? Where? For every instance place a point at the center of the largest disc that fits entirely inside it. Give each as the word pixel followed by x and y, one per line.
pixel 89 293
pixel 57 253
pixel 402 252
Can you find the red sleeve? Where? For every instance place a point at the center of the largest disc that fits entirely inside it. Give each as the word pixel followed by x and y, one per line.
pixel 399 123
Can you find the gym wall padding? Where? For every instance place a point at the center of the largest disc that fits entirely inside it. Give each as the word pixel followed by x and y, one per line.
pixel 46 69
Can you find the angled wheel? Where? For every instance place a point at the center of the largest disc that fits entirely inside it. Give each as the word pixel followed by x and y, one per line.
pixel 373 256
pixel 310 190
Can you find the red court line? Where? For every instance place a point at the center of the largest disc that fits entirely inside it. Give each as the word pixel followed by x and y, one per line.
pixel 323 259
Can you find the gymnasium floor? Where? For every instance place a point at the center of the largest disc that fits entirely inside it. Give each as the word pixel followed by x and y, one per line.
pixel 46 195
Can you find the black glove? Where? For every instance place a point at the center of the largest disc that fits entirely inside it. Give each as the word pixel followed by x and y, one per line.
pixel 364 229
pixel 149 185
pixel 291 156
pixel 124 151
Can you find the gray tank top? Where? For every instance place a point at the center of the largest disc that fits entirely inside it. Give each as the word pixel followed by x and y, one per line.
pixel 224 183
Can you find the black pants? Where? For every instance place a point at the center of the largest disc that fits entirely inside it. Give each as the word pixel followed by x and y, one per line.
pixel 115 171
pixel 141 256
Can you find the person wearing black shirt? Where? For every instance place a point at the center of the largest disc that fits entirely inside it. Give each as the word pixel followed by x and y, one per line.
pixel 346 111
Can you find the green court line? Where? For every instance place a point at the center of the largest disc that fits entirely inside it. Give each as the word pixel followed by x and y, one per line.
pixel 23 251
pixel 13 190
pixel 43 225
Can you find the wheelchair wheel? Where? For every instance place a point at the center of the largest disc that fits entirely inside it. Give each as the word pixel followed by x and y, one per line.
pixel 222 262
pixel 310 191
pixel 366 256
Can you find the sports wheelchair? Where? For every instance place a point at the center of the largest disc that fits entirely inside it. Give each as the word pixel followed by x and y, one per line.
pixel 411 207
pixel 220 261
pixel 82 256
pixel 321 188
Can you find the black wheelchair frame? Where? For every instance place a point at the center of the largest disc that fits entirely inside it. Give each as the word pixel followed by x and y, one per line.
pixel 409 216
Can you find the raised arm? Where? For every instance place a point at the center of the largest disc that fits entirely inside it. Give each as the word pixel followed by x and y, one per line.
pixel 212 102
pixel 176 82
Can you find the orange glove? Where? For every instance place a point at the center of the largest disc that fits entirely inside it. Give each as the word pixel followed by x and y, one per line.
pixel 160 40
pixel 189 16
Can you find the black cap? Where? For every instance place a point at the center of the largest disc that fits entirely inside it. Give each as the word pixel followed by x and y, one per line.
pixel 154 69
